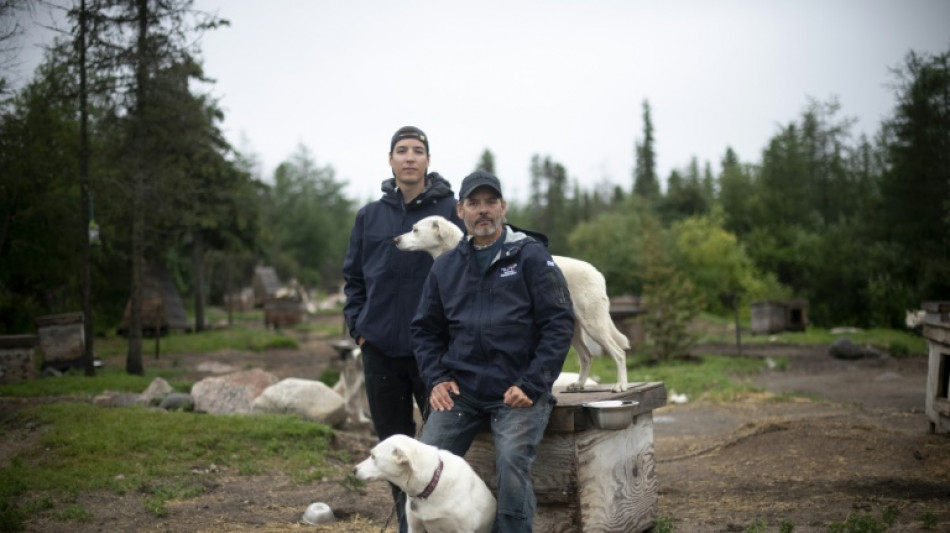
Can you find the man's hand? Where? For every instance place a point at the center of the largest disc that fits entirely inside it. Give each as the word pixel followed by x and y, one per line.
pixel 440 398
pixel 516 398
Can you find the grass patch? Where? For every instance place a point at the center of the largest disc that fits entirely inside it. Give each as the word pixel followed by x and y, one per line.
pixel 219 315
pixel 711 376
pixel 73 513
pixel 898 343
pixel 74 383
pixel 929 521
pixel 83 448
pixel 663 524
pixel 237 337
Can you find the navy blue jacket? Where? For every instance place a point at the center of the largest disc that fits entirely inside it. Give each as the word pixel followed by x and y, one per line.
pixel 383 283
pixel 512 326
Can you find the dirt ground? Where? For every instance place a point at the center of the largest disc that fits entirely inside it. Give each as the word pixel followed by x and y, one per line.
pixel 849 437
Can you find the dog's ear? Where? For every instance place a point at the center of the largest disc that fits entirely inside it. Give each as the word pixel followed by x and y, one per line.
pixel 399 455
pixel 435 228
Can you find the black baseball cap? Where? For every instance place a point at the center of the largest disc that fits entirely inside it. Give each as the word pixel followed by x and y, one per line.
pixel 477 179
pixel 409 132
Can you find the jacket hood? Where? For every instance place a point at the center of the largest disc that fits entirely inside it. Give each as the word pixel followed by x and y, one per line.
pixel 436 188
pixel 513 235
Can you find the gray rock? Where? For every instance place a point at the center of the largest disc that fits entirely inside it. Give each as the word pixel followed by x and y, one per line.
pixel 178 401
pixel 214 367
pixel 117 399
pixel 309 399
pixel 843 348
pixel 156 390
pixel 232 393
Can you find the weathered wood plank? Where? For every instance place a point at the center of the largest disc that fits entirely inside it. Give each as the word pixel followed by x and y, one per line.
pixel 554 478
pixel 942 407
pixel 617 478
pixel 553 474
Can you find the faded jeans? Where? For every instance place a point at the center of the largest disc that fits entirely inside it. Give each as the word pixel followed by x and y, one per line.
pixel 516 433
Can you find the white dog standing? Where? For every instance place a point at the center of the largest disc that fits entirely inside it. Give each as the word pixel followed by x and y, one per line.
pixel 352 386
pixel 586 284
pixel 443 493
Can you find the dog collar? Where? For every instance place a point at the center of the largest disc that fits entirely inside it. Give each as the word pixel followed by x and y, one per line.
pixel 435 481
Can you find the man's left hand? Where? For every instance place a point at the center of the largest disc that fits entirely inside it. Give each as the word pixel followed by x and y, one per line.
pixel 516 398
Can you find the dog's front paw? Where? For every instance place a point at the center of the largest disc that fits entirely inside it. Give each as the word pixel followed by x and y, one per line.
pixel 620 387
pixel 577 386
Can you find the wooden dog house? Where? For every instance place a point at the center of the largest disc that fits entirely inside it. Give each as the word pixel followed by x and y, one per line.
pixel 62 339
pixel 772 316
pixel 936 330
pixel 265 285
pixel 162 307
pixel 588 479
pixel 17 362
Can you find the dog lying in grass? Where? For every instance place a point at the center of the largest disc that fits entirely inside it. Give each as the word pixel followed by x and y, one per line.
pixel 443 493
pixel 587 286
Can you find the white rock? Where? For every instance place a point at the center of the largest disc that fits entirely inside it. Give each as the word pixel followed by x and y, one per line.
pixel 309 399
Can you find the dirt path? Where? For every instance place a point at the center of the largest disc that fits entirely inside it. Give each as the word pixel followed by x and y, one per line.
pixel 859 443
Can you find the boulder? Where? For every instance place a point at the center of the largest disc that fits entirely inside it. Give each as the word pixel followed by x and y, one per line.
pixel 309 399
pixel 214 367
pixel 178 401
pixel 231 393
pixel 843 348
pixel 156 390
pixel 117 399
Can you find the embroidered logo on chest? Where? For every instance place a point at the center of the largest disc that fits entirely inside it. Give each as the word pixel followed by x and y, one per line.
pixel 510 270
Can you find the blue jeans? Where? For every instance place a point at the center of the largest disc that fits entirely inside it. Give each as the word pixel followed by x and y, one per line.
pixel 516 433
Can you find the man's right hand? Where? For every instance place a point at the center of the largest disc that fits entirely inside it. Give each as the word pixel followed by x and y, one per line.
pixel 441 396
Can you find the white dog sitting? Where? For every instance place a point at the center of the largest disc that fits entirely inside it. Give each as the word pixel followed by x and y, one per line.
pixel 586 284
pixel 443 493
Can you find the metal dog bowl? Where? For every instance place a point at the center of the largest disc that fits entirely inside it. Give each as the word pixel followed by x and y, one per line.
pixel 611 414
pixel 318 513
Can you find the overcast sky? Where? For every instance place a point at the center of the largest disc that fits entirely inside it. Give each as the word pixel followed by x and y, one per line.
pixel 564 79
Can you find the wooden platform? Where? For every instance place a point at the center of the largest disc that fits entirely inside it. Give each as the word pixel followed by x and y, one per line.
pixel 587 479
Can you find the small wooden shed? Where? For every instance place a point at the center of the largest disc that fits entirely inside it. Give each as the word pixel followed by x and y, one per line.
pixel 17 361
pixel 162 307
pixel 265 285
pixel 774 316
pixel 62 339
pixel 624 311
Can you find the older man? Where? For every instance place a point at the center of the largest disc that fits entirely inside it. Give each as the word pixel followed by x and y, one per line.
pixel 494 325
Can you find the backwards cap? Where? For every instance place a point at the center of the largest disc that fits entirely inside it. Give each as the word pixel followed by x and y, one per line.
pixel 409 132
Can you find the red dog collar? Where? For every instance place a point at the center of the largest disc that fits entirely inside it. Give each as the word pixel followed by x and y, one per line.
pixel 433 483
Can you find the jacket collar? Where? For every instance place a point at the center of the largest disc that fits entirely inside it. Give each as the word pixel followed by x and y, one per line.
pixel 436 188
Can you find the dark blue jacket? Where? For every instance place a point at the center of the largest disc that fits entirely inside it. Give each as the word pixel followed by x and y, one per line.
pixel 512 326
pixel 383 283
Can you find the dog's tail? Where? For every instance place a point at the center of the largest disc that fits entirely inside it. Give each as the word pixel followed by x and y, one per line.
pixel 619 337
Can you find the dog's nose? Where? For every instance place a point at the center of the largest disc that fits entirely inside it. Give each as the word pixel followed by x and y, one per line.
pixel 396 239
